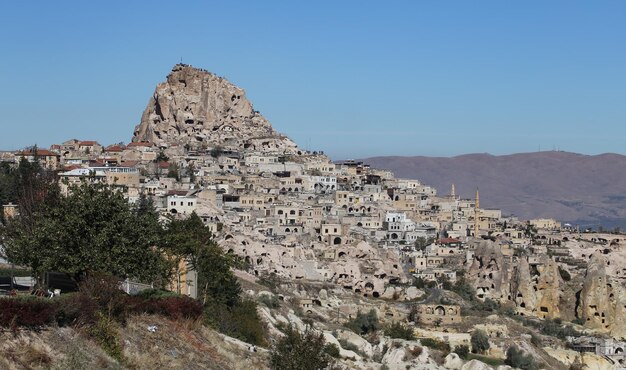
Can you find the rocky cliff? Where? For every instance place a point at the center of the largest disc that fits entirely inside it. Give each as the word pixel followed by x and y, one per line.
pixel 602 303
pixel 196 109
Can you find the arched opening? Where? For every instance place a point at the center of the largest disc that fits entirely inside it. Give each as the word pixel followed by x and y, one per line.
pixel 439 310
pixel 337 240
pixel 173 211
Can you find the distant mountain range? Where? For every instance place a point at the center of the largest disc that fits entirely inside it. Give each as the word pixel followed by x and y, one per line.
pixel 588 190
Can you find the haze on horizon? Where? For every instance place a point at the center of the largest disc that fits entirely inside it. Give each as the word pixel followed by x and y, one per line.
pixel 353 79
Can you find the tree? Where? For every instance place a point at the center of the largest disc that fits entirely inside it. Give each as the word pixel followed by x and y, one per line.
pixel 517 359
pixel 173 172
pixel 162 157
pixel 92 229
pixel 216 152
pixel 480 341
pixel 421 243
pixel 192 173
pixel 399 330
pixel 364 323
pixel 462 350
pixel 301 351
pixel 191 240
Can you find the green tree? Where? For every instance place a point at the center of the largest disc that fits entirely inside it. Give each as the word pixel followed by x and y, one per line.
pixel 173 172
pixel 191 240
pixel 93 229
pixel 480 341
pixel 462 351
pixel 517 359
pixel 364 323
pixel 421 243
pixel 399 330
pixel 301 351
pixel 161 157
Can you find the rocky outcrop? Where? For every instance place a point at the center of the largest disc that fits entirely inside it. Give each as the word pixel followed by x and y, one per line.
pixel 602 301
pixel 534 285
pixel 490 272
pixel 199 110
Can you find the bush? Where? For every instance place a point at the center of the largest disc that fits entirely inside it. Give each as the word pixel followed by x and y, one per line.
pixel 535 340
pixel 241 321
pixel 463 288
pixel 480 341
pixel 75 309
pixel 173 307
pixel 565 275
pixel 332 350
pixel 516 358
pixel 364 323
pixel 436 344
pixel 270 301
pixel 104 333
pixel 400 331
pixel 25 312
pixel 156 293
pixel 462 351
pixel 556 328
pixel 300 351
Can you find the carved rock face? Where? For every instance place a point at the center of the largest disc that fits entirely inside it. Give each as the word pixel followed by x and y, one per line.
pixel 197 109
pixel 534 288
pixel 602 303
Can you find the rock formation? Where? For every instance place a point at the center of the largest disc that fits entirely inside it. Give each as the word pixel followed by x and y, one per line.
pixel 533 285
pixel 199 110
pixel 602 302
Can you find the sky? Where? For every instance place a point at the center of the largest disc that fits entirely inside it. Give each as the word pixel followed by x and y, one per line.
pixel 352 78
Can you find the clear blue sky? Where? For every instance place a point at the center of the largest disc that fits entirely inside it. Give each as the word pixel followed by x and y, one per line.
pixel 353 78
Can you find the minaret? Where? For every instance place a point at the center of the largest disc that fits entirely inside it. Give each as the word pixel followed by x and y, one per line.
pixel 453 192
pixel 476 213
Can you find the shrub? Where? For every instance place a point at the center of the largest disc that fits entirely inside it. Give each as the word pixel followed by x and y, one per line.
pixel 104 333
pixel 156 293
pixel 75 309
pixel 556 328
pixel 105 292
pixel 416 351
pixel 436 344
pixel 462 351
pixel 364 323
pixel 463 288
pixel 414 315
pixel 173 307
pixel 332 350
pixel 516 358
pixel 241 321
pixel 400 331
pixel 535 339
pixel 271 281
pixel 270 301
pixel 480 341
pixel 301 351
pixel 565 275
pixel 25 312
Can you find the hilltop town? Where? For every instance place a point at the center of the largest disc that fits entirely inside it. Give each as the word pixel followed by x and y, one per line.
pixel 333 240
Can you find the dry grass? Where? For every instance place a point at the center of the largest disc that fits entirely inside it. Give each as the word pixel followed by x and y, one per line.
pixel 183 344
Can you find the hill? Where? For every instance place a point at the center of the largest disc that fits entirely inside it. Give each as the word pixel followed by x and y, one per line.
pixel 581 189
